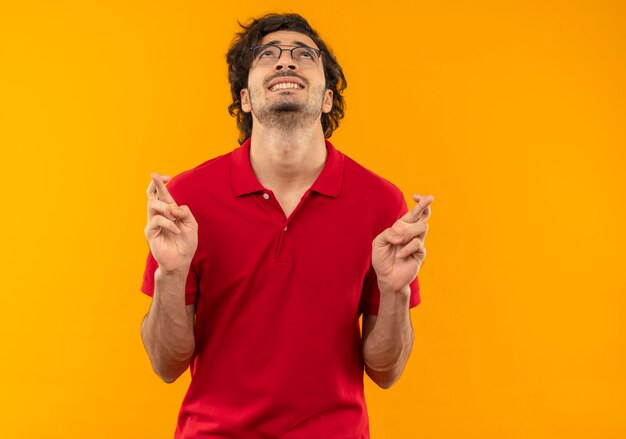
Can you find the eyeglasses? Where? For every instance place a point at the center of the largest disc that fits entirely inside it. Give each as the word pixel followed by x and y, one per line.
pixel 270 53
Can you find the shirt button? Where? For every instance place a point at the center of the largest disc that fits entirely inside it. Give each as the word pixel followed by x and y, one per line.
pixel 266 196
pixel 285 228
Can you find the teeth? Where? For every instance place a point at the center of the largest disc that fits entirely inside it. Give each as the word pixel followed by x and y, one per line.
pixel 282 85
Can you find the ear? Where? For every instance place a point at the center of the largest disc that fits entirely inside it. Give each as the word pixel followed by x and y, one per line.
pixel 327 105
pixel 245 100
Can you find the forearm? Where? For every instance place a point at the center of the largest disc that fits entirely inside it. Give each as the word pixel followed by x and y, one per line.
pixel 387 348
pixel 167 331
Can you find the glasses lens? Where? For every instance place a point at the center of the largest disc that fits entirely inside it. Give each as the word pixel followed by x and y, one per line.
pixel 266 54
pixel 305 55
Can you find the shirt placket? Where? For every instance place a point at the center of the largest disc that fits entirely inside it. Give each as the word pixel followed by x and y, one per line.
pixel 283 223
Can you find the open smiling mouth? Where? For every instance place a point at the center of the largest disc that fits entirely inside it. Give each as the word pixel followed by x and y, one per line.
pixel 285 86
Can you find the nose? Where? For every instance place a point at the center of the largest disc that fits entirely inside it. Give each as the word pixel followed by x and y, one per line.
pixel 285 61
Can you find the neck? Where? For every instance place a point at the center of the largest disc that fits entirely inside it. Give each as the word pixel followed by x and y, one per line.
pixel 287 161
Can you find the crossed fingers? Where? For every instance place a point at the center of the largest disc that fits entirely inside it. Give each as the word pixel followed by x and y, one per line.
pixel 157 190
pixel 421 211
pixel 160 201
pixel 413 226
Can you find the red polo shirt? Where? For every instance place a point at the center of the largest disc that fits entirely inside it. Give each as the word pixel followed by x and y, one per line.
pixel 278 300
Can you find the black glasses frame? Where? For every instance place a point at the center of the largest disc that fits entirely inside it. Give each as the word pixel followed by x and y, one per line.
pixel 318 52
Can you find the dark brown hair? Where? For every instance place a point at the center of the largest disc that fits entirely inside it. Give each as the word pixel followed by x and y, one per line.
pixel 239 59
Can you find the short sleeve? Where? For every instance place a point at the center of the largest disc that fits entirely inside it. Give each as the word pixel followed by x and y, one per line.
pixel 147 286
pixel 371 293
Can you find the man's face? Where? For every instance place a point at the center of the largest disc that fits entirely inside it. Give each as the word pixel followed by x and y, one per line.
pixel 301 96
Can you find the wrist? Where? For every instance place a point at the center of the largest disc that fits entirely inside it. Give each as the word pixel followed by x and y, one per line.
pixel 179 272
pixel 389 289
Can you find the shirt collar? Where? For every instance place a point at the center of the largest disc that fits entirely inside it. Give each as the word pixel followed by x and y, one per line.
pixel 244 181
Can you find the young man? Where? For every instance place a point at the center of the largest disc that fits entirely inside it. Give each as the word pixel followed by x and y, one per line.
pixel 262 260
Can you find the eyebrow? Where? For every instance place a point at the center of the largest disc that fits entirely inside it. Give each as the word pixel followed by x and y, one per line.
pixel 295 43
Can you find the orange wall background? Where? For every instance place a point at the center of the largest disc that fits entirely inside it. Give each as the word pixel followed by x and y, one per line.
pixel 511 114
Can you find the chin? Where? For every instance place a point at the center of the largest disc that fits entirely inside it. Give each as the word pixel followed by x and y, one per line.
pixel 286 107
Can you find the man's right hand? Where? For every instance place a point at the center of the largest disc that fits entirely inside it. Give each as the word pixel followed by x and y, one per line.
pixel 172 230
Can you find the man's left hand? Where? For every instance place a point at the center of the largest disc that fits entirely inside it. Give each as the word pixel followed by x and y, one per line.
pixel 398 252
